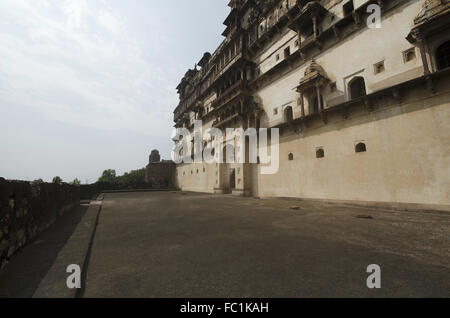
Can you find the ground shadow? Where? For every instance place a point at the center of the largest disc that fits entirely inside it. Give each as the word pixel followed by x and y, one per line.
pixel 23 274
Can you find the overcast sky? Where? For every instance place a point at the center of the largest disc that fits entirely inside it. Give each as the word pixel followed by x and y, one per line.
pixel 89 85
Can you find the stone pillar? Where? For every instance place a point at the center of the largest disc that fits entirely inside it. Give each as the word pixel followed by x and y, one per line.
pixel 319 99
pixel 249 71
pixel 314 18
pixel 302 104
pixel 299 37
pixel 423 53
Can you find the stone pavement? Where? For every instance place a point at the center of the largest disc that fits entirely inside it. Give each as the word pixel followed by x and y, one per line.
pixel 197 245
pixel 174 244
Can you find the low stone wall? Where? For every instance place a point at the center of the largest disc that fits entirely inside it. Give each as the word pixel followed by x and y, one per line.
pixel 27 209
pixel 90 191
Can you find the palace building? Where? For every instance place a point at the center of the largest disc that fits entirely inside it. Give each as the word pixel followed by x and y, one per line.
pixel 363 112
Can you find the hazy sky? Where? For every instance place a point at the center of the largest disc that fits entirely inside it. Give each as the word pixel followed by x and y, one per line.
pixel 88 85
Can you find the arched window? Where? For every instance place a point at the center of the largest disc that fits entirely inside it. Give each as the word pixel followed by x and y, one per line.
pixel 443 56
pixel 288 114
pixel 291 156
pixel 357 87
pixel 233 179
pixel 320 153
pixel 360 147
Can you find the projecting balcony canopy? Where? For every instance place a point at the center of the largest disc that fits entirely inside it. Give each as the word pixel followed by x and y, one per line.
pixel 431 10
pixel 236 64
pixel 204 60
pixel 190 74
pixel 232 17
pixel 314 75
pixel 433 17
pixel 311 10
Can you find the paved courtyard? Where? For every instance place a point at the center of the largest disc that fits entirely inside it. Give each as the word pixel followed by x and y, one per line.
pixel 197 245
pixel 173 244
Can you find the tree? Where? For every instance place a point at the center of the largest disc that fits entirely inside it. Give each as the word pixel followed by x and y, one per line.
pixel 38 181
pixel 57 180
pixel 76 182
pixel 132 177
pixel 108 176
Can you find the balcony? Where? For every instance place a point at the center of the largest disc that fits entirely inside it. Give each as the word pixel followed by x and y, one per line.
pixel 218 123
pixel 308 17
pixel 231 93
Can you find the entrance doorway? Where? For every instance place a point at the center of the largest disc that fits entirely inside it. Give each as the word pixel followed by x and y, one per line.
pixel 227 174
pixel 233 179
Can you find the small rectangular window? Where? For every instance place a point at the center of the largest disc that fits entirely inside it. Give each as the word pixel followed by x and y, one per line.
pixel 287 52
pixel 409 55
pixel 360 147
pixel 320 153
pixel 379 67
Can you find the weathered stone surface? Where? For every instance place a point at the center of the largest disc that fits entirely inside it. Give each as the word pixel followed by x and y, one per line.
pixel 26 209
pixel 160 174
pixel 3 246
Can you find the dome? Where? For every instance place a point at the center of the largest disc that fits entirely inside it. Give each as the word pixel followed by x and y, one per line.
pixel 314 73
pixel 155 157
pixel 313 69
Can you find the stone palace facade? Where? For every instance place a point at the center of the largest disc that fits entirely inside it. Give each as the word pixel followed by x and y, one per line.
pixel 363 113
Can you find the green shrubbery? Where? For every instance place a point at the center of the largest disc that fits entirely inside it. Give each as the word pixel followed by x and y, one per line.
pixel 132 177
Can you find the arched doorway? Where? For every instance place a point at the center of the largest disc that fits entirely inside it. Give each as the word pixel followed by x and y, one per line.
pixel 233 179
pixel 443 56
pixel 288 114
pixel 357 87
pixel 227 174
